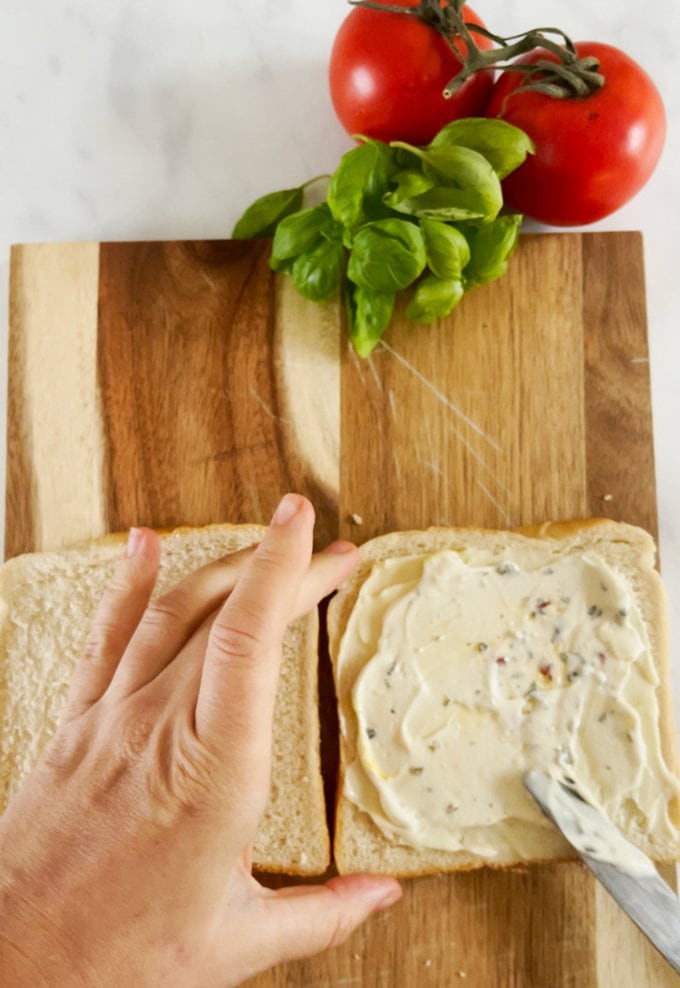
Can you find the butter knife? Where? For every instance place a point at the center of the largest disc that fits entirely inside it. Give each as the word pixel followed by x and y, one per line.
pixel 627 874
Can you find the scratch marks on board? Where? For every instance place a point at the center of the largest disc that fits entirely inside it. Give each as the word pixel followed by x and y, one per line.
pixel 429 448
pixel 206 277
pixel 264 406
pixel 442 397
pixel 497 505
pixel 374 372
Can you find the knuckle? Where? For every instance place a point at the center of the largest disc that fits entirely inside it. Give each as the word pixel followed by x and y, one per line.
pixel 102 640
pixel 101 634
pixel 271 558
pixel 142 757
pixel 237 639
pixel 64 753
pixel 170 609
pixel 96 644
pixel 182 776
pixel 195 777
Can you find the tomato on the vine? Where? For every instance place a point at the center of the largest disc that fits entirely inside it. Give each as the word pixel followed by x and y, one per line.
pixel 388 72
pixel 592 153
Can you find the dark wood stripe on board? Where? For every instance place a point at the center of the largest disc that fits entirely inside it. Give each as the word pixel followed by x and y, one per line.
pixel 619 436
pixel 190 389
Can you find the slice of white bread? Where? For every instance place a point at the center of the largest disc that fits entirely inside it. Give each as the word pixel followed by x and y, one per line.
pixel 47 601
pixel 360 844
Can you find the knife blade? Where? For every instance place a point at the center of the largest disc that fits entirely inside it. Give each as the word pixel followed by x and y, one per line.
pixel 626 872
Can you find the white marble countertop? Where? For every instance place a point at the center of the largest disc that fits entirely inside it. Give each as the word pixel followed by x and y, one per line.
pixel 150 119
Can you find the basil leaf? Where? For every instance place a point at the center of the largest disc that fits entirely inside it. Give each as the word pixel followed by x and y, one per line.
pixel 446 247
pixel 284 265
pixel 261 217
pixel 387 255
pixel 441 202
pixel 491 244
pixel 503 145
pixel 470 180
pixel 378 184
pixel 317 271
pixel 349 183
pixel 406 232
pixel 409 183
pixel 296 233
pixel 368 315
pixel 434 298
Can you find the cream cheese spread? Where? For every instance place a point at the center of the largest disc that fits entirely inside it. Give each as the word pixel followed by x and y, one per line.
pixel 472 671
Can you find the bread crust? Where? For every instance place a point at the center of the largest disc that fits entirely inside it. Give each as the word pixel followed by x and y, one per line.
pixel 358 842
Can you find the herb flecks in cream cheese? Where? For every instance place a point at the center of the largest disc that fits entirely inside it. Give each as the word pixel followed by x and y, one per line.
pixel 475 671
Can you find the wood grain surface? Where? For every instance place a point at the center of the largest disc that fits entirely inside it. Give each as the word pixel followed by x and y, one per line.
pixel 182 383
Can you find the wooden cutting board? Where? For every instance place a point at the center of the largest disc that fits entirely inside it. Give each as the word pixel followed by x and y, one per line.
pixel 184 383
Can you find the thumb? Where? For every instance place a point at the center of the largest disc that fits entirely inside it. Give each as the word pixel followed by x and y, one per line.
pixel 307 919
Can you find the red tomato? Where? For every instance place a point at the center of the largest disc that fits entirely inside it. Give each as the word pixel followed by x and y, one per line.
pixel 388 72
pixel 592 154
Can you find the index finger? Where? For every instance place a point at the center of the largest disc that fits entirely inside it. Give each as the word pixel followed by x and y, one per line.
pixel 235 704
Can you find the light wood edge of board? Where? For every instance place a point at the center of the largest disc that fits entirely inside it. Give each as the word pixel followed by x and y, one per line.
pixel 310 389
pixel 53 327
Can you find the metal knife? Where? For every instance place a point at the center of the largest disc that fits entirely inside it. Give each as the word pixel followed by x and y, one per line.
pixel 627 874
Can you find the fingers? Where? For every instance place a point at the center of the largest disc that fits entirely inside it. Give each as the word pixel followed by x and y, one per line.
pixel 118 614
pixel 238 684
pixel 172 619
pixel 132 639
pixel 325 574
pixel 307 919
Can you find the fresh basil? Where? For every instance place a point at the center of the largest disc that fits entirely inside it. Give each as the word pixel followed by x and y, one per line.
pixel 317 271
pixel 446 248
pixel 503 145
pixel 441 202
pixel 491 245
pixel 398 217
pixel 349 183
pixel 298 232
pixel 379 182
pixel 262 217
pixel 434 298
pixel 387 255
pixel 368 316
pixel 408 183
pixel 467 177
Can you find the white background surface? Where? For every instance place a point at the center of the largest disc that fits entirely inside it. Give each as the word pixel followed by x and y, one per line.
pixel 164 119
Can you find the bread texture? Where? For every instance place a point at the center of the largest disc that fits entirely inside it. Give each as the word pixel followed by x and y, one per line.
pixel 359 843
pixel 47 601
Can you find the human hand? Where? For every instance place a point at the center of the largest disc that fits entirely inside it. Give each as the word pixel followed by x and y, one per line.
pixel 125 858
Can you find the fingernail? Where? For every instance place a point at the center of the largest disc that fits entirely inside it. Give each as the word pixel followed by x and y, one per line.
pixel 287 508
pixel 134 541
pixel 340 547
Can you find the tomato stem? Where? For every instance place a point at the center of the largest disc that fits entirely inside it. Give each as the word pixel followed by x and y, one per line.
pixel 570 78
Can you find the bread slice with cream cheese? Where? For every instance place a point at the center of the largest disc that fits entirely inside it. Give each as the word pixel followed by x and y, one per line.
pixel 463 658
pixel 47 601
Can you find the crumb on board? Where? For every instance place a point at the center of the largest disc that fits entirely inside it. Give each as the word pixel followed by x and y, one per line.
pixel 606 497
pixel 357 519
